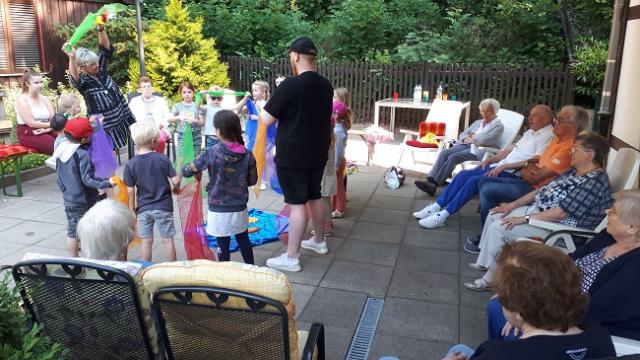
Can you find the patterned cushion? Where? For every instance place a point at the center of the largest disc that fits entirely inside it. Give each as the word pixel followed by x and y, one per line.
pixel 231 275
pixel 420 144
pixel 12 150
pixel 438 128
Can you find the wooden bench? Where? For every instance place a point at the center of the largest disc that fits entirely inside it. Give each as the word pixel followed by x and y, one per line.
pixel 12 154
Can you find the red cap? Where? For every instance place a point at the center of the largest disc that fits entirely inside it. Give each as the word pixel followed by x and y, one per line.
pixel 339 108
pixel 78 128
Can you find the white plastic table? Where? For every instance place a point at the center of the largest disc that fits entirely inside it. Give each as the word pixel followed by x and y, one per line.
pixel 394 104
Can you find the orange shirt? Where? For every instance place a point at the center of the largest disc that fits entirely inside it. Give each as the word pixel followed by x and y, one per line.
pixel 556 157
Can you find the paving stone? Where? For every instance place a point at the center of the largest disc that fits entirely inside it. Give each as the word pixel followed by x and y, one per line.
pixel 436 261
pixel 30 232
pixel 465 270
pixel 390 202
pixel 17 256
pixel 28 209
pixel 6 223
pixel 407 191
pixel 470 225
pixel 424 286
pixel 337 339
pixel 342 228
pixel 55 216
pixel 473 326
pixel 377 232
pixel 55 241
pixel 369 252
pixel 313 270
pixel 384 216
pixel 406 348
pixel 333 307
pixel 431 238
pixel 419 320
pixel 359 186
pixel 470 209
pixel 353 276
pixel 8 249
pixel 43 193
pixel 473 299
pixel 259 256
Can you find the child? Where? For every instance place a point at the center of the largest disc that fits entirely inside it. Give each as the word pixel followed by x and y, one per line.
pixel 260 94
pixel 342 94
pixel 69 104
pixel 232 169
pixel 213 106
pixel 329 183
pixel 57 123
pixel 188 111
pixel 343 123
pixel 148 173
pixel 76 178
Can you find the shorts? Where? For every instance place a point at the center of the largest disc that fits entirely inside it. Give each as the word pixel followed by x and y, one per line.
pixel 163 219
pixel 300 185
pixel 74 214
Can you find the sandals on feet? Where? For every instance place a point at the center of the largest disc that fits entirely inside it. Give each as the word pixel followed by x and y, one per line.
pixel 478 285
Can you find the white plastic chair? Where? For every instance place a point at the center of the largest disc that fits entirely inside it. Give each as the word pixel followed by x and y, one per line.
pixel 625 346
pixel 448 112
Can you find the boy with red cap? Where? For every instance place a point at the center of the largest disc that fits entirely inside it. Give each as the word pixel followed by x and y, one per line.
pixel 76 178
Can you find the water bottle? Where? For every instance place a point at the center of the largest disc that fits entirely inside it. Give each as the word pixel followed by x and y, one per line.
pixel 417 93
pixel 439 92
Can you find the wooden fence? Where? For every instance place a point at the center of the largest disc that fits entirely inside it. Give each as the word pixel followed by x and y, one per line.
pixel 517 88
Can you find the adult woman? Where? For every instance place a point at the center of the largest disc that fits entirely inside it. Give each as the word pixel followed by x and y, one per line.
pixel 151 107
pixel 33 111
pixel 106 230
pixel 578 197
pixel 539 288
pixel 88 73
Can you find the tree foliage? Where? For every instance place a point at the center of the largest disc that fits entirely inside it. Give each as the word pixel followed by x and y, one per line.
pixel 176 51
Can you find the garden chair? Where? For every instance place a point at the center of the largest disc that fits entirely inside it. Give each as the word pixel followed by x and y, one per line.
pixel 443 120
pixel 91 309
pixel 626 346
pixel 228 310
pixel 623 174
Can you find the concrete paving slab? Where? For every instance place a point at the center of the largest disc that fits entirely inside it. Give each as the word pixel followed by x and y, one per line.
pixel 432 239
pixel 337 339
pixel 361 277
pixel 301 296
pixel 406 348
pixel 313 270
pixel 369 252
pixel 6 223
pixel 474 299
pixel 17 256
pixel 368 231
pixel 30 232
pixel 333 307
pixel 473 326
pixel 424 286
pixel 436 261
pixel 408 190
pixel 384 216
pixel 390 202
pixel 28 209
pixel 419 320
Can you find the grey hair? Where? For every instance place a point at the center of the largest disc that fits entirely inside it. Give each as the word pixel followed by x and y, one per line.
pixel 85 57
pixel 492 103
pixel 106 229
pixel 580 116
pixel 628 206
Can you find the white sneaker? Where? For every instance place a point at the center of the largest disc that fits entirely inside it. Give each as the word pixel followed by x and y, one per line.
pixel 263 186
pixel 311 244
pixel 426 211
pixel 433 221
pixel 284 262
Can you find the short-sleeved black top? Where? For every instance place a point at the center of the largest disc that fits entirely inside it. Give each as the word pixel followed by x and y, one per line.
pixel 149 173
pixel 302 105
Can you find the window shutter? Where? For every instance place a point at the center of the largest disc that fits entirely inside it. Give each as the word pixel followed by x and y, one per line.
pixel 4 63
pixel 24 33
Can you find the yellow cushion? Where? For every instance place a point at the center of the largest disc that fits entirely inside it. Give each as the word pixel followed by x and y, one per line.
pixel 253 279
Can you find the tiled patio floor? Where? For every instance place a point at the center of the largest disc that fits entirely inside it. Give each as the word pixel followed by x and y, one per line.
pixel 378 250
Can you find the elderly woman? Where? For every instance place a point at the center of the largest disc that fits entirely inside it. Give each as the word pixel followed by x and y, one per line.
pixel 33 111
pixel 106 230
pixel 88 73
pixel 578 197
pixel 540 290
pixel 484 132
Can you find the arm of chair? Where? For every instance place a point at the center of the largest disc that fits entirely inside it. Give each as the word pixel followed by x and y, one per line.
pixel 555 226
pixel 568 240
pixel 625 346
pixel 315 342
pixel 409 134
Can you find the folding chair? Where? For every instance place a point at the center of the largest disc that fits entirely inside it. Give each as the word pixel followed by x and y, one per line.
pixel 93 310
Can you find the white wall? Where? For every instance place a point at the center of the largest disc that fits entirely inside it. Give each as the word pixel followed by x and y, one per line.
pixel 626 123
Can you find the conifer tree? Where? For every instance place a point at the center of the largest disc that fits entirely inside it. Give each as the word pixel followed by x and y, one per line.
pixel 176 51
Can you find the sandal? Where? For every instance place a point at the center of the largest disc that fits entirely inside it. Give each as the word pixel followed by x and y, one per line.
pixel 478 285
pixel 337 214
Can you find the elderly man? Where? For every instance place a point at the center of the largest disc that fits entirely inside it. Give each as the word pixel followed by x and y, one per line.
pixel 503 165
pixel 302 106
pixel 484 132
pixel 556 159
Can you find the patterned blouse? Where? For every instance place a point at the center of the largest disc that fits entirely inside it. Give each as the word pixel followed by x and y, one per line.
pixel 102 96
pixel 583 198
pixel 590 266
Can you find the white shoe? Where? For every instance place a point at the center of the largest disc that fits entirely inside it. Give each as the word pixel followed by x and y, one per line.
pixel 311 244
pixel 263 186
pixel 433 221
pixel 284 263
pixel 425 212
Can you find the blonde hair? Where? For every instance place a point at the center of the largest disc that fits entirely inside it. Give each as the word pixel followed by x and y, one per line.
pixel 144 133
pixel 343 95
pixel 66 103
pixel 264 86
pixel 106 229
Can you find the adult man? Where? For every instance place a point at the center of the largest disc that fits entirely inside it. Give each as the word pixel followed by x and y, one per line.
pixel 484 132
pixel 465 184
pixel 556 159
pixel 302 105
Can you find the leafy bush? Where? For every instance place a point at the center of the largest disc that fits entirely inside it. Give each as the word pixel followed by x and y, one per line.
pixel 17 341
pixel 589 66
pixel 175 51
pixel 122 35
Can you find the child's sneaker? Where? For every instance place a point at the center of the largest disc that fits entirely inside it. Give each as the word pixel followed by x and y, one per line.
pixel 337 214
pixel 263 185
pixel 311 244
pixel 284 263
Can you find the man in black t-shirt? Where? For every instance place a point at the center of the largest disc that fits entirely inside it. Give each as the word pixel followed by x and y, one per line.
pixel 302 107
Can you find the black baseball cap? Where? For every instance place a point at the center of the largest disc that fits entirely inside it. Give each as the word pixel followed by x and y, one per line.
pixel 303 45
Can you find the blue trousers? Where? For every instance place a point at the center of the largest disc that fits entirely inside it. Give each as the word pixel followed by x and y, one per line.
pixel 464 187
pixel 496 321
pixel 447 161
pixel 494 191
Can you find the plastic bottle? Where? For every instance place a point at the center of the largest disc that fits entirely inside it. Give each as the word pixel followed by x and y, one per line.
pixel 417 93
pixel 439 92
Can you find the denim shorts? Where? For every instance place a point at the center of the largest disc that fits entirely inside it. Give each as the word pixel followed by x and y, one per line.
pixel 74 214
pixel 163 219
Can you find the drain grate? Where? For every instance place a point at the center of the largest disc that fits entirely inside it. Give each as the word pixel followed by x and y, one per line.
pixel 363 337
